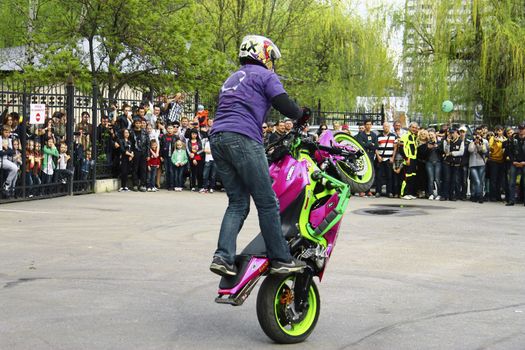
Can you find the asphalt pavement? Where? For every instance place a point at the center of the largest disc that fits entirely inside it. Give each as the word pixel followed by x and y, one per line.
pixel 130 271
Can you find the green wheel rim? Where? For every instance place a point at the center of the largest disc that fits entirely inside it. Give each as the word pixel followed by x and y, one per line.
pixel 295 329
pixel 364 162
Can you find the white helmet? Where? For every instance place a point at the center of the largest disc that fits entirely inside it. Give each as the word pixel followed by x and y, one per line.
pixel 260 49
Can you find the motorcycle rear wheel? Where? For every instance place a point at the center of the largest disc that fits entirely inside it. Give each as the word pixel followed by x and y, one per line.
pixel 274 303
pixel 362 180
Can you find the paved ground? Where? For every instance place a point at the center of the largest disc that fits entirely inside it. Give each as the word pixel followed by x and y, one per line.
pixel 130 271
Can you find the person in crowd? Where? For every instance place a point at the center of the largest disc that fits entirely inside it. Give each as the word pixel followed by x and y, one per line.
pixel 237 148
pixel 17 156
pixel 280 131
pixel 464 168
pixel 39 160
pixel 443 132
pixel 49 131
pixel 195 152
pixel 79 153
pixel 87 129
pixel 266 135
pixel 478 150
pixel 49 163
pixel 140 114
pixel 432 153
pixel 59 122
pixel 305 132
pixel 88 164
pixel 63 174
pixel 126 158
pixel 209 171
pixel 516 153
pixel 175 108
pixel 336 126
pixel 30 162
pixel 167 146
pixel 345 128
pixel 496 163
pixel 453 149
pixel 105 138
pixel 153 134
pixel 398 130
pixel 125 121
pixel 153 165
pixel 509 135
pixel 385 159
pixel 288 125
pixel 368 139
pixel 10 168
pixel 152 118
pixel 421 172
pixel 140 146
pixel 179 158
pixel 184 127
pixel 407 146
pixel 320 131
pixel 202 116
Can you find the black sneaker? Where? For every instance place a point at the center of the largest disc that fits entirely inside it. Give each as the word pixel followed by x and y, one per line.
pixel 287 267
pixel 222 268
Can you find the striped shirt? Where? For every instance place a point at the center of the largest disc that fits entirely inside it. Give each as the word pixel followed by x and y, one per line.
pixel 386 145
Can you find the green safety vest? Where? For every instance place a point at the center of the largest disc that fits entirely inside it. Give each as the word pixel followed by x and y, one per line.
pixel 409 145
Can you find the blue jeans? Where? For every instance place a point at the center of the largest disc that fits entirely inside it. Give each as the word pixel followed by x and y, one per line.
pixel 514 172
pixel 477 180
pixel 497 173
pixel 243 168
pixel 451 181
pixel 170 173
pixel 179 175
pixel 433 175
pixel 152 177
pixel 209 175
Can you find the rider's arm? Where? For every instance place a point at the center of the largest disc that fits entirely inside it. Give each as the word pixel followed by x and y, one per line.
pixel 286 106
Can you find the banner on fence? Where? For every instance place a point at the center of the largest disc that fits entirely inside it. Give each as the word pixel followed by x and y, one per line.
pixel 37 113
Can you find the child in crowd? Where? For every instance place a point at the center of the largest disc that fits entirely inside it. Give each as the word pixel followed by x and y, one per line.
pixel 39 158
pixel 126 156
pixel 49 165
pixel 17 155
pixel 179 158
pixel 209 169
pixel 87 165
pixel 30 162
pixel 63 173
pixel 195 151
pixel 153 164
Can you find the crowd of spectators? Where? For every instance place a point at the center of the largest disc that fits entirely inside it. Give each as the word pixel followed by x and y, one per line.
pixel 156 142
pixel 450 163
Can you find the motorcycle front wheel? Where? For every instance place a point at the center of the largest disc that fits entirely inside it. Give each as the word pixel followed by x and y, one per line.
pixel 275 310
pixel 362 179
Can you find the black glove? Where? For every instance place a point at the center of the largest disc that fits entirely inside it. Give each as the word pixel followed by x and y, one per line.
pixel 307 113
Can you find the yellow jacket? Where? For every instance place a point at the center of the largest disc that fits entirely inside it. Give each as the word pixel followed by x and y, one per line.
pixel 496 149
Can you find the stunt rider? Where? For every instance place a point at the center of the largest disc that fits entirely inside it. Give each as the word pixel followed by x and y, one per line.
pixel 237 147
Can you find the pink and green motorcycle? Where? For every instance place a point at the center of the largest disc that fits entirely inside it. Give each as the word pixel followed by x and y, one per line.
pixel 312 181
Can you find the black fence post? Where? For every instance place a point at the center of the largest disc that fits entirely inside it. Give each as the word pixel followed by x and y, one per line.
pixel 382 114
pixel 196 102
pixel 320 119
pixel 94 124
pixel 70 124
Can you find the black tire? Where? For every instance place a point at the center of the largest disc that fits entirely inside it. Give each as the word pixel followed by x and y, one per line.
pixel 364 179
pixel 271 310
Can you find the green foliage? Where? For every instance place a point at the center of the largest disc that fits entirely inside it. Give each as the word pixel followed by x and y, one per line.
pixel 329 53
pixel 472 55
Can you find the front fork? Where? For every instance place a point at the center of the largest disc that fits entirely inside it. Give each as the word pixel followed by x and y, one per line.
pixel 302 285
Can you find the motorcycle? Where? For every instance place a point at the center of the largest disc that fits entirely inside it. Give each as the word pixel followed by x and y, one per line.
pixel 313 199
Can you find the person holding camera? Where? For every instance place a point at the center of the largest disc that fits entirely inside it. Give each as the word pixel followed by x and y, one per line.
pixel 496 163
pixel 453 148
pixel 432 154
pixel 6 151
pixel 478 150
